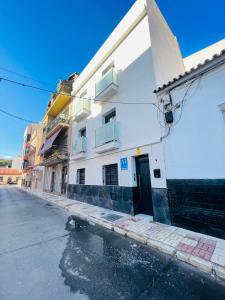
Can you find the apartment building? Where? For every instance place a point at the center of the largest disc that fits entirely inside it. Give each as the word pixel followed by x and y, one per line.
pixel 32 173
pixel 116 158
pixel 194 147
pixel 55 148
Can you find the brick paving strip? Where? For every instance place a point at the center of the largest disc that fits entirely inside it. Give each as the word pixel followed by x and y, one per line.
pixel 204 252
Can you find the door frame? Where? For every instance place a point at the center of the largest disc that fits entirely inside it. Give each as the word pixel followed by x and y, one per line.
pixel 52 186
pixel 139 209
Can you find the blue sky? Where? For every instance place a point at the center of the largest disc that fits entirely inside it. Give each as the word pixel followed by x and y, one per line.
pixel 48 40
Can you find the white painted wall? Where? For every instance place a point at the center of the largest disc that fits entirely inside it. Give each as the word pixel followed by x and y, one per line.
pixel 58 178
pixel 195 148
pixel 138 125
pixel 94 167
pixel 167 58
pixel 17 162
pixel 145 53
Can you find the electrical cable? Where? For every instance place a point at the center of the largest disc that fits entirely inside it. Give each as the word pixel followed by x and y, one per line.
pixel 17 117
pixel 24 76
pixel 57 93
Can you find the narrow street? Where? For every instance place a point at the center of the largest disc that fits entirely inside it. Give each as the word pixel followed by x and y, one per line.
pixel 43 256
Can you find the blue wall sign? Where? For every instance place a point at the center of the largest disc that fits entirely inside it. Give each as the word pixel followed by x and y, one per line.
pixel 123 163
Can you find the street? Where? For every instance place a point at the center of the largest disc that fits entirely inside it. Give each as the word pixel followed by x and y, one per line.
pixel 43 255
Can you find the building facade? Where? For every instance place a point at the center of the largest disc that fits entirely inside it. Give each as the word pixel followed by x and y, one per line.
pixel 33 173
pixel 117 158
pixel 194 146
pixel 10 176
pixel 17 162
pixel 55 147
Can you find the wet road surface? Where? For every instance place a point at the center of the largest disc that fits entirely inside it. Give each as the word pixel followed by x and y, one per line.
pixel 45 256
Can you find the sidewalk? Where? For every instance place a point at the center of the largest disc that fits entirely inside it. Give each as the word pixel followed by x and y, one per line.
pixel 204 252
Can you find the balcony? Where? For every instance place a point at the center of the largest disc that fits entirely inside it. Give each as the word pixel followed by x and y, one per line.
pixel 62 120
pixel 60 99
pixel 79 148
pixel 65 86
pixel 57 156
pixel 82 109
pixel 107 137
pixel 106 87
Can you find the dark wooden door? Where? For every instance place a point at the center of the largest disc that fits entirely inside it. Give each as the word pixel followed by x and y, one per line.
pixel 63 184
pixel 144 185
pixel 53 182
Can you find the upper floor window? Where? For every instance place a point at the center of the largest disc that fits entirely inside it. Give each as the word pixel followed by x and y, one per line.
pixel 28 137
pixel 109 117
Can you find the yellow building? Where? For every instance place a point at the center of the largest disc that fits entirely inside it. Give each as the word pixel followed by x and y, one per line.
pixel 55 147
pixel 33 173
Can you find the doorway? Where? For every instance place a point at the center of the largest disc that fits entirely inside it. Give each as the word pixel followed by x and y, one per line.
pixel 144 185
pixel 52 182
pixel 64 177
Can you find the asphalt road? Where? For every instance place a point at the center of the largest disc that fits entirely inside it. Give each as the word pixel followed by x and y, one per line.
pixel 43 256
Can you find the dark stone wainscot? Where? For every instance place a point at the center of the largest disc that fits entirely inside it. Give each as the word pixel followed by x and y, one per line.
pixel 198 204
pixel 118 198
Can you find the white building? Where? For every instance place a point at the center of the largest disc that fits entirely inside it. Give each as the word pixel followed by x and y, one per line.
pixel 194 146
pixel 117 158
pixel 17 162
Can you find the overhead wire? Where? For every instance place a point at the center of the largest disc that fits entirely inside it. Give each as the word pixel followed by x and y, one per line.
pixel 17 117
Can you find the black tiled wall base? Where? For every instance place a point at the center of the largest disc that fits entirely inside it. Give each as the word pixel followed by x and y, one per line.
pixel 198 204
pixel 117 198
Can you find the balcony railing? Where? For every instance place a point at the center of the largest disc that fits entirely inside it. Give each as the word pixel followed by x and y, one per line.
pixel 63 118
pixel 106 134
pixel 65 86
pixel 109 79
pixel 82 108
pixel 80 146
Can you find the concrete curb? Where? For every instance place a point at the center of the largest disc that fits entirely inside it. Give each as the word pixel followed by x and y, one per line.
pixel 209 267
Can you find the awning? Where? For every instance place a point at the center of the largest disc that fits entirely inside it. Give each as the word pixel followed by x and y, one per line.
pixel 48 143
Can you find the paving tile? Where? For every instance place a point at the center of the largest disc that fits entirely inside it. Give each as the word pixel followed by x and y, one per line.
pixel 220 271
pixel 218 259
pixel 201 263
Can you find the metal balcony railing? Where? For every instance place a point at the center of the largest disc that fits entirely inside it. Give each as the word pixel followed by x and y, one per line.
pixel 62 117
pixel 109 78
pixel 80 145
pixel 65 86
pixel 107 133
pixel 82 106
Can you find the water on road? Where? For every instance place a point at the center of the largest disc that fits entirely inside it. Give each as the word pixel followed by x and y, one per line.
pixel 43 255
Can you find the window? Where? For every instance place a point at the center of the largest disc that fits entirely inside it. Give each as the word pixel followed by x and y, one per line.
pixel 110 174
pixel 81 176
pixel 1 179
pixel 110 117
pixel 108 68
pixel 82 132
pixel 28 137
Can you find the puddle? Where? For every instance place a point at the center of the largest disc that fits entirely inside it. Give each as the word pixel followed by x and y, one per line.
pixel 100 264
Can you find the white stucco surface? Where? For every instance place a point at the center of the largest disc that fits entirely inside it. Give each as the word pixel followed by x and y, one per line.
pixel 136 66
pixel 195 148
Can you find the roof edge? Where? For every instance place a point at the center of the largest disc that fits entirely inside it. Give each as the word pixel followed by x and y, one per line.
pixel 188 75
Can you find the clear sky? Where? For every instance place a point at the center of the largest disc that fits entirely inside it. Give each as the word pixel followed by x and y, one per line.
pixel 48 40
